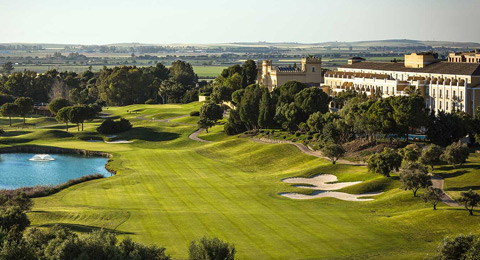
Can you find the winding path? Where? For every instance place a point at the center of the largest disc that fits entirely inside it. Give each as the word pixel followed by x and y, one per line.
pixel 438 182
pixel 194 136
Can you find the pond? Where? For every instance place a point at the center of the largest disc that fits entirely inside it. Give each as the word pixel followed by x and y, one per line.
pixel 17 170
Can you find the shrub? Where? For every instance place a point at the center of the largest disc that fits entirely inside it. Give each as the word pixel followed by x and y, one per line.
pixel 150 101
pixel 112 127
pixel 211 248
pixel 195 113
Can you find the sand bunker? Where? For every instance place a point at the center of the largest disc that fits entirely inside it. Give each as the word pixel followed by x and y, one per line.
pixel 119 142
pixel 323 186
pixel 320 182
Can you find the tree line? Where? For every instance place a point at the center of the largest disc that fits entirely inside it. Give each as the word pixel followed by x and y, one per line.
pixel 117 86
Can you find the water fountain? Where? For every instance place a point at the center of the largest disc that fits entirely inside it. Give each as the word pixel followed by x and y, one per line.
pixel 42 158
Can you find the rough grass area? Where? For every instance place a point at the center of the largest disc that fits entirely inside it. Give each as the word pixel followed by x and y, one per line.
pixel 169 190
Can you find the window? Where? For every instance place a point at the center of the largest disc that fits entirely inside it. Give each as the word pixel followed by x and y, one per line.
pixel 446 94
pixel 313 69
pixel 461 95
pixel 446 106
pixel 453 93
pixel 440 105
pixel 440 93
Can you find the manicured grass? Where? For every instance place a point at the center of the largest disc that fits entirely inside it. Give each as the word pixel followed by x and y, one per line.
pixel 170 190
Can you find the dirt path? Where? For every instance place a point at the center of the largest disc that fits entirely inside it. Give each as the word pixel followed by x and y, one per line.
pixel 194 136
pixel 438 182
pixel 305 149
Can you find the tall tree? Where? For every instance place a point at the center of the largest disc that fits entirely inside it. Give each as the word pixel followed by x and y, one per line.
pixel 210 113
pixel 25 106
pixel 7 68
pixel 265 117
pixel 250 72
pixel 433 196
pixel 431 155
pixel 9 110
pixel 62 116
pixel 414 176
pixel 57 104
pixel 385 162
pixel 470 200
pixel 311 100
pixel 409 113
pixel 183 72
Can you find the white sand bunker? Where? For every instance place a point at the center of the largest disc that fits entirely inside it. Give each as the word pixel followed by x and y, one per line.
pixel 119 142
pixel 323 186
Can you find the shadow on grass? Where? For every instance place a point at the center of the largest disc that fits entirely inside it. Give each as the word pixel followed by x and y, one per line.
pixel 15 140
pixel 15 133
pixel 85 228
pixel 453 174
pixel 148 134
pixel 464 188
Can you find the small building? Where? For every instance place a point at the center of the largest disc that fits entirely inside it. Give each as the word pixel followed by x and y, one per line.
pixel 309 73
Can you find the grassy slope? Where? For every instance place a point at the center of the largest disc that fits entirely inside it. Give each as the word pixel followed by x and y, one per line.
pixel 170 190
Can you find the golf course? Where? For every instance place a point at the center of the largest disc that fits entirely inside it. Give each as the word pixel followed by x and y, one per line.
pixel 169 190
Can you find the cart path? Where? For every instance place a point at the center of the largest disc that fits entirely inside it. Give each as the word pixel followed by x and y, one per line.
pixel 438 182
pixel 194 136
pixel 305 149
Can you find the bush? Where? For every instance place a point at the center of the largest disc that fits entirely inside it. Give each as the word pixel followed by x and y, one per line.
pixel 195 113
pixel 112 127
pixel 150 101
pixel 2 131
pixel 211 248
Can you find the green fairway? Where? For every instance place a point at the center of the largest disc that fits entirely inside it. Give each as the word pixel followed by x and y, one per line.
pixel 170 190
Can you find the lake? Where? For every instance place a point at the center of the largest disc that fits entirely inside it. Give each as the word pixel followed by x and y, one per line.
pixel 16 170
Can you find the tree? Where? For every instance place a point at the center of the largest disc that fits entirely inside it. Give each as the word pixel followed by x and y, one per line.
pixel 457 248
pixel 57 104
pixel 444 128
pixel 286 92
pixel 171 91
pixel 13 218
pixel 250 72
pixel 77 115
pixel 7 68
pixel 431 155
pixel 333 151
pixel 414 176
pixel 311 100
pixel 470 199
pixel 211 248
pixel 25 106
pixel 63 116
pixel 265 117
pixel 210 113
pixel 9 110
pixel 183 72
pixel 411 152
pixel 315 122
pixel 289 116
pixel 249 107
pixel 433 196
pixel 385 162
pixel 456 153
pixel 409 113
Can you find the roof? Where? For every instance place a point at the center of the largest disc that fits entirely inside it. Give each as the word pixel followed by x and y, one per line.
pixel 288 69
pixel 442 67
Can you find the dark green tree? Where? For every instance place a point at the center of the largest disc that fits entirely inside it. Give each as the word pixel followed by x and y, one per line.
pixel 211 248
pixel 470 200
pixel 183 72
pixel 63 116
pixel 311 100
pixel 433 196
pixel 210 113
pixel 333 151
pixel 431 155
pixel 414 176
pixel 25 106
pixel 385 162
pixel 456 153
pixel 9 110
pixel 250 72
pixel 7 68
pixel 409 113
pixel 265 117
pixel 57 104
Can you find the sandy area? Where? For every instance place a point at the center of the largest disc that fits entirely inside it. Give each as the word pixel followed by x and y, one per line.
pixel 320 182
pixel 119 142
pixel 323 186
pixel 330 194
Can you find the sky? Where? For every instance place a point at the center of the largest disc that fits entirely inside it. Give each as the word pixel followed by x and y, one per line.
pixel 222 21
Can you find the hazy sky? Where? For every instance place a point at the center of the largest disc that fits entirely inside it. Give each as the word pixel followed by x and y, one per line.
pixel 222 21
